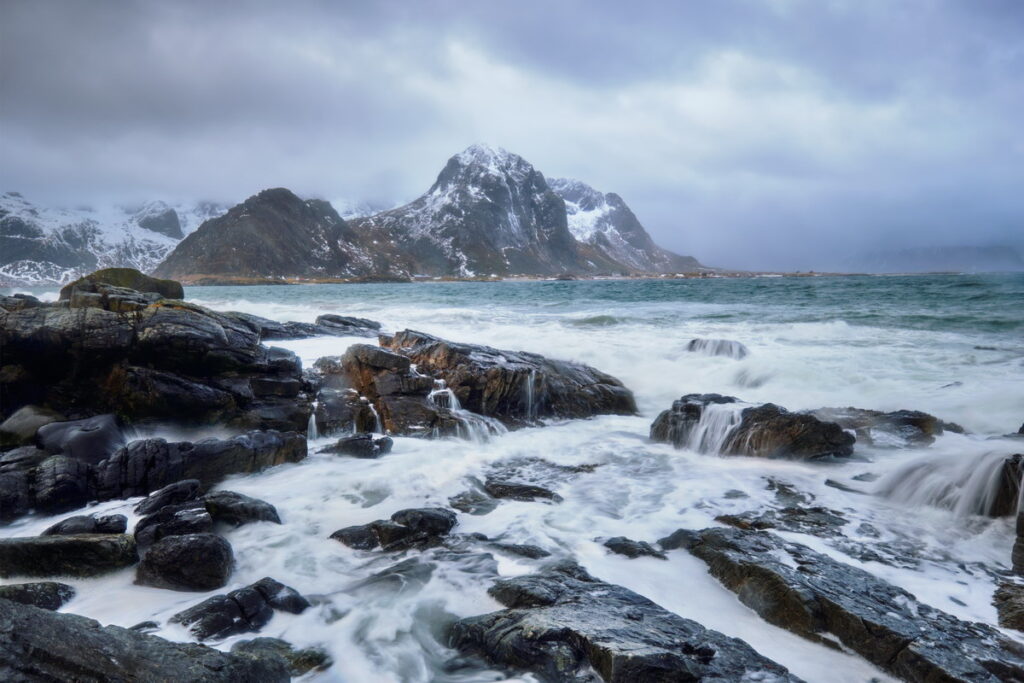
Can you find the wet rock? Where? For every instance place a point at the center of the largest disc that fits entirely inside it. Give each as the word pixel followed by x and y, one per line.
pixel 80 649
pixel 21 427
pixel 236 509
pixel 680 538
pixel 299 661
pixel 766 431
pixel 515 387
pixel 818 598
pixel 60 483
pixel 173 520
pixel 361 446
pixel 90 440
pixel 360 537
pixel 19 301
pixel 88 524
pixel 620 545
pixel 718 347
pixel 15 495
pixel 433 521
pixel 44 594
pixel 896 429
pixel 511 490
pixel 524 550
pixel 325 325
pixel 1009 603
pixel 814 520
pixel 563 622
pixel 172 494
pixel 343 410
pixel 1007 491
pixel 192 562
pixel 844 487
pixel 124 277
pixel 246 610
pixel 1017 555
pixel 412 528
pixel 81 555
pixel 473 502
pixel 343 325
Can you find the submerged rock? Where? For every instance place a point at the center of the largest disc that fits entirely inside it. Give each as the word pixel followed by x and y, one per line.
pixel 620 545
pixel 190 562
pixel 246 610
pixel 814 520
pixel 82 555
pixel 718 347
pixel 899 428
pixel 42 645
pixel 562 622
pixel 712 423
pixel 821 599
pixel 299 661
pixel 44 594
pixel 512 490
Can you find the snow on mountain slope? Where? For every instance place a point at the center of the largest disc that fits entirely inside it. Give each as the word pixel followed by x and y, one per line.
pixel 51 246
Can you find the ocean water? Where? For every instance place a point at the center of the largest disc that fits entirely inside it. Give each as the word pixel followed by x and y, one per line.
pixel 950 345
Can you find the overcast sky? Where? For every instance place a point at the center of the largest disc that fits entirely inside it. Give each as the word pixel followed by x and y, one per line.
pixel 771 134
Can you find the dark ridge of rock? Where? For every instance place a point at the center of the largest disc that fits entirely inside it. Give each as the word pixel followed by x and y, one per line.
pixel 82 555
pixel 88 524
pixel 173 520
pixel 340 411
pixel 1004 502
pixel 412 528
pixel 299 661
pixel 532 552
pixel 680 538
pixel 21 427
pixel 361 446
pixel 718 347
pixel 246 610
pixel 90 440
pixel 236 509
pixel 563 622
pixel 767 431
pixel 899 428
pixel 620 545
pixel 515 387
pixel 172 494
pixel 325 325
pixel 511 490
pixel 1009 603
pixel 43 594
pixel 818 598
pixel 814 520
pixel 128 278
pixel 360 537
pixel 433 521
pixel 1017 554
pixel 190 562
pixel 40 645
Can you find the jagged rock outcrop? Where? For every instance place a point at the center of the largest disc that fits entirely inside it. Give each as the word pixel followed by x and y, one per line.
pixel 562 622
pixel 325 325
pixel 711 423
pixel 126 278
pixel 412 528
pixel 818 598
pixel 38 644
pixel 246 610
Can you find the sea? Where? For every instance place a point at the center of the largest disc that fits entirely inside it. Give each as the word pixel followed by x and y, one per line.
pixel 947 344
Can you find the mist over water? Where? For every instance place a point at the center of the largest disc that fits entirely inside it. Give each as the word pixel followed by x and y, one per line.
pixel 949 345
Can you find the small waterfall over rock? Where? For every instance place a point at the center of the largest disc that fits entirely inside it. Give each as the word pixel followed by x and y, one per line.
pixel 529 395
pixel 983 485
pixel 378 428
pixel 716 425
pixel 311 429
pixel 443 397
pixel 469 425
pixel 718 347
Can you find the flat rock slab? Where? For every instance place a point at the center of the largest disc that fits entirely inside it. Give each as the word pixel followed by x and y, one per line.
pixel 821 599
pixel 81 555
pixel 562 622
pixel 44 594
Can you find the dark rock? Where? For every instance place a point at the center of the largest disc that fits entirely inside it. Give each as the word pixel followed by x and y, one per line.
pixel 395 537
pixel 718 347
pixel 473 502
pixel 844 487
pixel 237 509
pixel 192 562
pixel 172 494
pixel 1007 492
pixel 19 301
pixel 517 491
pixel 1009 603
pixel 15 495
pixel 145 627
pixel 361 446
pixel 21 427
pixel 360 537
pixel 343 325
pixel 621 545
pixel 762 431
pixel 88 524
pixel 531 551
pixel 899 428
pixel 90 440
pixel 1017 556
pixel 299 661
pixel 82 555
pixel 124 277
pixel 22 459
pixel 562 622
pixel 814 520
pixel 39 645
pixel 343 410
pixel 818 598
pixel 44 594
pixel 433 521
pixel 246 610
pixel 680 538
pixel 190 517
pixel 61 483
pixel 412 528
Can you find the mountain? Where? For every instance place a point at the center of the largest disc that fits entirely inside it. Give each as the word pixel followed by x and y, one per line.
pixel 52 246
pixel 606 225
pixel 276 234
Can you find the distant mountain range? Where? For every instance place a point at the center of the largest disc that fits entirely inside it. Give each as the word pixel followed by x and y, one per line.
pixel 489 212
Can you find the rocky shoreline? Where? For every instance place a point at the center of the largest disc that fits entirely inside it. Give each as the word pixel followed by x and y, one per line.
pixel 85 379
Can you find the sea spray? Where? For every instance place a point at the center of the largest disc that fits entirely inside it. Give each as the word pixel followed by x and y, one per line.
pixel 717 423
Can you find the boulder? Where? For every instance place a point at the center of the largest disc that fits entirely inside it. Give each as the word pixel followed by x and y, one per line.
pixel 360 537
pixel 411 528
pixel 299 661
pixel 178 492
pixel 124 277
pixel 40 645
pixel 361 446
pixel 711 423
pixel 15 495
pixel 823 600
pixel 1009 603
pixel 343 410
pixel 191 562
pixel 620 545
pixel 177 519
pixel 88 524
pixel 433 521
pixel 896 429
pixel 60 483
pixel 90 440
pixel 81 555
pixel 511 490
pixel 236 509
pixel 21 427
pixel 562 623
pixel 246 610
pixel 43 594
